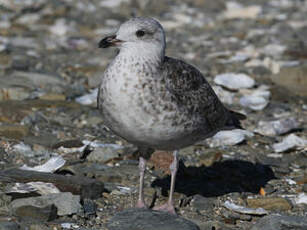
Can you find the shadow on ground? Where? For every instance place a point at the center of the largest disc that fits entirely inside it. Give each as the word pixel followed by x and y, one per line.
pixel 219 179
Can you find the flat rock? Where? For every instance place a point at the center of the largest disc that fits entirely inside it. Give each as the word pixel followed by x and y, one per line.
pixel 293 79
pixel 139 219
pixel 65 202
pixel 289 142
pixel 277 127
pixel 104 154
pixel 270 203
pixel 234 81
pixel 281 222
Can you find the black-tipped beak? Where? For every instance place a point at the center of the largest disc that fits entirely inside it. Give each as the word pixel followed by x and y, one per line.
pixel 109 41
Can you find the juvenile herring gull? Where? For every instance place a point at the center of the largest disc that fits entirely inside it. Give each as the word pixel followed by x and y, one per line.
pixel 155 101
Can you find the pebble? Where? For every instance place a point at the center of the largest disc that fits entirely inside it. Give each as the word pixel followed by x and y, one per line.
pixel 225 96
pixel 229 137
pixel 270 203
pixel 132 219
pixel 88 99
pixel 257 99
pixel 280 222
pixel 203 204
pixel 14 131
pixel 234 81
pixel 236 10
pixel 53 164
pixel 244 210
pixel 103 154
pixel 290 142
pixel 301 199
pixel 277 127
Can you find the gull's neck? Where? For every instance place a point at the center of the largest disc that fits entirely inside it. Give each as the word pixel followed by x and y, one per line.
pixel 152 54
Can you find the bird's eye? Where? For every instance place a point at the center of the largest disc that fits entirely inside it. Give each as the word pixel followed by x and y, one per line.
pixel 140 33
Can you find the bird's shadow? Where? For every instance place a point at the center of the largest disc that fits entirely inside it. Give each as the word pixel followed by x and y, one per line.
pixel 221 178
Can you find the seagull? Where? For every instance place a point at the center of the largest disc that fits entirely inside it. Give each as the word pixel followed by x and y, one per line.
pixel 155 101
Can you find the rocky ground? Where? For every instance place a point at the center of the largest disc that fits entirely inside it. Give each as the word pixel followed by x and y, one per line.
pixel 254 54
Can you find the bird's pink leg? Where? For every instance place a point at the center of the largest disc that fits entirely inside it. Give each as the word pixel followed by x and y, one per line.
pixel 142 166
pixel 169 206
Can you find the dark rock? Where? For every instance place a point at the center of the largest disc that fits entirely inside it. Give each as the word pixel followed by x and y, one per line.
pixel 201 203
pixel 68 144
pixel 282 222
pixel 86 187
pixel 139 219
pixel 42 207
pixel 89 207
pixel 6 225
pixel 30 214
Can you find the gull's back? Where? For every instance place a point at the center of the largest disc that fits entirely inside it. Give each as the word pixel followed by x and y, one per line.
pixel 196 99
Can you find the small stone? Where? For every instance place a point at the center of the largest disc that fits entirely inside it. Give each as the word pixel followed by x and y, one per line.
pixel 236 10
pixel 103 154
pixel 280 222
pixel 225 96
pixel 14 131
pixel 257 99
pixel 290 142
pixel 53 97
pixel 209 158
pixel 270 203
pixel 201 203
pixel 278 127
pixel 234 80
pixel 229 137
pixel 134 219
pixel 13 93
pixel 38 227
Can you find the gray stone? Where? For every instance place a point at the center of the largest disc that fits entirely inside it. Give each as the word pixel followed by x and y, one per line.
pixel 32 214
pixel 139 219
pixel 103 154
pixel 201 203
pixel 281 222
pixel 6 225
pixel 65 202
pixel 293 79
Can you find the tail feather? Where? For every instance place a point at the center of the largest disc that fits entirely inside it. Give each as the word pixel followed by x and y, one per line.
pixel 235 118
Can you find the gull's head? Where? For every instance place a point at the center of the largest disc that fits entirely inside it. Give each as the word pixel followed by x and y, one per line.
pixel 141 34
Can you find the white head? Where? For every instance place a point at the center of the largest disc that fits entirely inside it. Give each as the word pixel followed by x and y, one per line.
pixel 141 35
